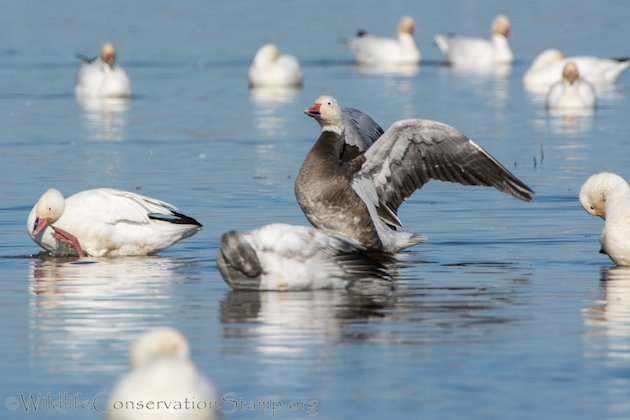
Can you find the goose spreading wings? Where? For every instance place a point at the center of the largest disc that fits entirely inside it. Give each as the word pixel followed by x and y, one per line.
pixel 360 197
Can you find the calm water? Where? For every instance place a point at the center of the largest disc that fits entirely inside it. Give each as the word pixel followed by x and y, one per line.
pixel 508 311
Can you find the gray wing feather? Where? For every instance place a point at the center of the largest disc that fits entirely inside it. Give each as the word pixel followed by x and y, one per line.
pixel 360 129
pixel 412 152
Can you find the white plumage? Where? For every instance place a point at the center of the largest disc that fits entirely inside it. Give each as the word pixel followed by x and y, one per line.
pixel 164 383
pixel 547 67
pixel 102 77
pixel 472 52
pixel 106 222
pixel 607 195
pixel 287 257
pixel 271 69
pixel 572 92
pixel 379 51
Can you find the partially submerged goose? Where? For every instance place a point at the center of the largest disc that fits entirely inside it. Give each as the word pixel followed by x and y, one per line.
pixel 288 257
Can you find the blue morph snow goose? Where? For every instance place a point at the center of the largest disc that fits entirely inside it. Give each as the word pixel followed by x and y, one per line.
pixel 360 197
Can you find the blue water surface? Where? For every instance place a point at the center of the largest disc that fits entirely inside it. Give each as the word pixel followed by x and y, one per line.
pixel 507 311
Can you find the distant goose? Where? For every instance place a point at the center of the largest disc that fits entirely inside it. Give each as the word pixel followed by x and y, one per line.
pixel 162 372
pixel 477 52
pixel 374 51
pixel 102 77
pixel 272 69
pixel 287 257
pixel 572 92
pixel 547 69
pixel 360 198
pixel 607 195
pixel 106 222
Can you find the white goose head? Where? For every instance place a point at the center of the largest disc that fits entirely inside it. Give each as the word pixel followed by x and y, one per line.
pixel 162 342
pixel 48 210
pixel 570 73
pixel 406 25
pixel 267 54
pixel 108 54
pixel 597 189
pixel 501 26
pixel 327 113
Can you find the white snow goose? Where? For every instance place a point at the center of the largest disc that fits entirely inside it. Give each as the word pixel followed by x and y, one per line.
pixel 607 195
pixel 572 92
pixel 547 69
pixel 360 197
pixel 288 257
pixel 379 51
pixel 102 77
pixel 478 52
pixel 271 69
pixel 163 375
pixel 106 222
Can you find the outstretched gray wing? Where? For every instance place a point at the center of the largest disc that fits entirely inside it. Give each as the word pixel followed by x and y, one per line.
pixel 412 152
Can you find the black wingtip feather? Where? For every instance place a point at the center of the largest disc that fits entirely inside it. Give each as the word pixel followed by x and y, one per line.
pixel 179 219
pixel 85 58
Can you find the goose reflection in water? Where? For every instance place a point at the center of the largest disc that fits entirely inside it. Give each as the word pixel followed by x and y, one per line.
pixel 104 118
pixel 270 118
pixel 489 82
pixel 418 311
pixel 295 323
pixel 611 315
pixel 87 307
pixel 402 70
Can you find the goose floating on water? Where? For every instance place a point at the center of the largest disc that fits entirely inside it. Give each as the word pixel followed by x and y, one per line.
pixel 106 222
pixel 288 257
pixel 162 372
pixel 102 77
pixel 572 92
pixel 360 197
pixel 478 52
pixel 379 51
pixel 271 69
pixel 548 65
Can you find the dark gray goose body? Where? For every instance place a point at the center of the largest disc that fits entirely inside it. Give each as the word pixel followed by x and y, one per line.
pixel 360 197
pixel 324 192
